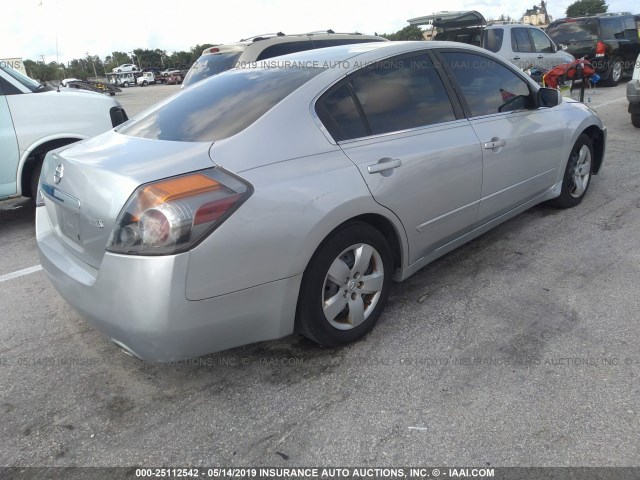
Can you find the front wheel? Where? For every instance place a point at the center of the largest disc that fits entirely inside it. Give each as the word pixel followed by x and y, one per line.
pixel 577 175
pixel 345 286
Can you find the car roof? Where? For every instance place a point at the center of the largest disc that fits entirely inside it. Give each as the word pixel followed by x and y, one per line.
pixel 275 38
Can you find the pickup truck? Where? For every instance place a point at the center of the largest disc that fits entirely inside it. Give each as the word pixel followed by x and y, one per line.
pixel 35 119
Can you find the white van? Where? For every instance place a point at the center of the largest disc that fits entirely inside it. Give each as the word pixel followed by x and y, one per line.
pixel 35 119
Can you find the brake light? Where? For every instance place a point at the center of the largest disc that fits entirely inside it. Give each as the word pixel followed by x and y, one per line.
pixel 600 49
pixel 214 50
pixel 173 215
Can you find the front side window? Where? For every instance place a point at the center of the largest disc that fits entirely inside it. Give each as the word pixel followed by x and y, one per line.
pixel 19 77
pixel 488 86
pixel 520 40
pixel 541 42
pixel 220 107
pixel 394 95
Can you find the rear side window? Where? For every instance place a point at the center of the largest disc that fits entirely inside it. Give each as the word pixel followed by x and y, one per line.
pixel 340 116
pixel 520 40
pixel 284 49
pixel 209 65
pixel 488 87
pixel 611 28
pixel 220 107
pixel 573 31
pixel 394 95
pixel 334 42
pixel 492 39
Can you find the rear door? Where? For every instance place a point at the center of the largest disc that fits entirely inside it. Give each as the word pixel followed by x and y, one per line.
pixel 521 144
pixel 403 128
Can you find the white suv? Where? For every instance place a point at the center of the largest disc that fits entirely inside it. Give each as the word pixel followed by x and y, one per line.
pixel 35 119
pixel 524 45
pixel 219 58
pixel 127 67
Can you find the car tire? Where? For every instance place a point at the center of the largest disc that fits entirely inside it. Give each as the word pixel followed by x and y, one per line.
pixel 144 84
pixel 614 73
pixel 119 70
pixel 635 120
pixel 577 174
pixel 362 294
pixel 125 84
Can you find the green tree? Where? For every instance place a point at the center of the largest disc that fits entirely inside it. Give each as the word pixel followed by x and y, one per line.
pixel 411 32
pixel 582 8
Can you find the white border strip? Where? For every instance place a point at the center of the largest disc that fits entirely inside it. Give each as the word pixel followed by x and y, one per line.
pixel 20 273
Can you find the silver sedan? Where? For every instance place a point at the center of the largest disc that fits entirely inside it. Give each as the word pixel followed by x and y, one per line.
pixel 287 195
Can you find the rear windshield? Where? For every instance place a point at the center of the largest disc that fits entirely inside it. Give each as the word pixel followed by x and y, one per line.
pixel 574 31
pixel 210 64
pixel 219 107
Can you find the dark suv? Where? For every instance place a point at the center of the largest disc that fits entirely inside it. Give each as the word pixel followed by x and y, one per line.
pixel 609 40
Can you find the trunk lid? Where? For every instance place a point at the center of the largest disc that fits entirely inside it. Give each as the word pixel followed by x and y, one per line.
pixel 447 20
pixel 86 185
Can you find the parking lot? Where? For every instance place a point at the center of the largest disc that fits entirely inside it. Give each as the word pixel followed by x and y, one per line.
pixel 519 349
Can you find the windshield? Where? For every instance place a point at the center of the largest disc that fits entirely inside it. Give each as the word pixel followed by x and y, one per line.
pixel 23 79
pixel 218 107
pixel 210 64
pixel 573 31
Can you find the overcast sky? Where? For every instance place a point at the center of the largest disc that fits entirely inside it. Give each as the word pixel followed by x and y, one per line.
pixel 30 27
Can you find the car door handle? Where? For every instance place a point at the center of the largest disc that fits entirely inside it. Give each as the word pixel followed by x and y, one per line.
pixel 516 58
pixel 384 164
pixel 495 143
pixel 541 56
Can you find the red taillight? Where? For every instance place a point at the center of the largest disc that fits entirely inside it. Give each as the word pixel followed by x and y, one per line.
pixel 172 215
pixel 214 50
pixel 600 49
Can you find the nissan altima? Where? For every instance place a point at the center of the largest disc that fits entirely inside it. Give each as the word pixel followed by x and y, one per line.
pixel 287 196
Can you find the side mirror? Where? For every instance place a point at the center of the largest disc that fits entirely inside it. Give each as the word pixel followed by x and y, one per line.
pixel 548 97
pixel 554 47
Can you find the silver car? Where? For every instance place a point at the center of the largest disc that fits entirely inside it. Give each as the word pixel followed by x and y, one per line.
pixel 286 197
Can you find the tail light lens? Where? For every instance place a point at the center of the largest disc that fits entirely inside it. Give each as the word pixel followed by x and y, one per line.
pixel 600 50
pixel 173 215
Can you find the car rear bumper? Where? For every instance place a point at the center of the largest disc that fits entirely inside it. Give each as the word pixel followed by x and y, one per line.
pixel 140 303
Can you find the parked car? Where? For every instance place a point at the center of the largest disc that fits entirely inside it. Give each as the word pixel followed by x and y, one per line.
pixel 35 119
pixel 124 80
pixel 275 198
pixel 219 58
pixel 610 41
pixel 154 70
pixel 126 67
pixel 169 71
pixel 174 79
pixel 633 94
pixel 524 45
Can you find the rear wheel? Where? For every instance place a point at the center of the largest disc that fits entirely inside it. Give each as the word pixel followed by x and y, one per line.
pixel 615 73
pixel 577 175
pixel 345 286
pixel 635 120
